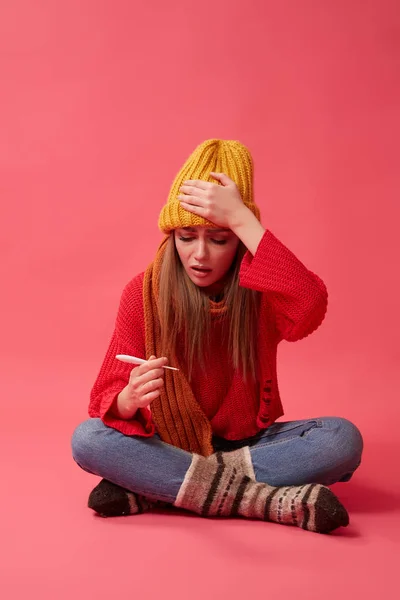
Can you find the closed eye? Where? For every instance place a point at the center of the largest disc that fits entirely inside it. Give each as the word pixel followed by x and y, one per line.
pixel 189 239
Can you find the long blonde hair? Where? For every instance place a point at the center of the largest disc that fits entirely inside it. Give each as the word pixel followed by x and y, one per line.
pixel 184 309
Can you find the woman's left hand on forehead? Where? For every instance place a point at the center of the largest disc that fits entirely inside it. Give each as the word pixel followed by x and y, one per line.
pixel 220 204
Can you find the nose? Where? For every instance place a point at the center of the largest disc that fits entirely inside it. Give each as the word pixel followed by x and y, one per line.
pixel 201 250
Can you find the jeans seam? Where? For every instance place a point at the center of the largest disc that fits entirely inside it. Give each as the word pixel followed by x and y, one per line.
pixel 314 423
pixel 274 443
pixel 287 439
pixel 255 441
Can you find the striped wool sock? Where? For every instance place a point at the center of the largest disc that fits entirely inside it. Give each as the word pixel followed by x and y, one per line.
pixel 223 484
pixel 110 500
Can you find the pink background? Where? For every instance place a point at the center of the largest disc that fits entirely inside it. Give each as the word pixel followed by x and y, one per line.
pixel 100 104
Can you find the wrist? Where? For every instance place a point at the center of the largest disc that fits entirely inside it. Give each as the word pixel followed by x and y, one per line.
pixel 248 229
pixel 120 408
pixel 240 218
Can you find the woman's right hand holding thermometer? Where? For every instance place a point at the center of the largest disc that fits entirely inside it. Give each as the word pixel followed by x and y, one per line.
pixel 145 383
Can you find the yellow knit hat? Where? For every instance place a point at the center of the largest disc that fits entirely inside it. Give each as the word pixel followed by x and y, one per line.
pixel 217 156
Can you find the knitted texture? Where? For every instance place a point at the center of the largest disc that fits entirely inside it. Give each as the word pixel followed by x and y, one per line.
pixel 218 156
pixel 293 305
pixel 178 417
pixel 111 500
pixel 223 485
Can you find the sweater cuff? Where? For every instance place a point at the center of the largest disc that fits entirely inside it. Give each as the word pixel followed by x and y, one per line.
pixel 269 252
pixel 142 423
pixel 274 268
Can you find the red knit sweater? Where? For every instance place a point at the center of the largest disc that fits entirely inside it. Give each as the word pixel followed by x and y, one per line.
pixel 293 305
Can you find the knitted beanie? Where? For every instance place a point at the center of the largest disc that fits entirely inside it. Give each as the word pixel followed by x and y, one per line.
pixel 217 156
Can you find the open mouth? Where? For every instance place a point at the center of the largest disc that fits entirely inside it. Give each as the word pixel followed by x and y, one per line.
pixel 200 271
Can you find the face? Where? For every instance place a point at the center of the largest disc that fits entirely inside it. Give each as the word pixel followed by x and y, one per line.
pixel 206 254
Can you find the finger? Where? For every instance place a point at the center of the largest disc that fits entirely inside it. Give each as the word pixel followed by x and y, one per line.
pixel 198 183
pixel 149 376
pixel 189 190
pixel 192 200
pixel 148 399
pixel 153 363
pixel 162 358
pixel 224 179
pixel 151 386
pixel 144 367
pixel 197 210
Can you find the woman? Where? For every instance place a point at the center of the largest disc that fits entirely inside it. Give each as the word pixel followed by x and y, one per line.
pixel 220 295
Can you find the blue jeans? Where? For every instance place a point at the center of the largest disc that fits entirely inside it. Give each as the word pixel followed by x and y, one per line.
pixel 324 450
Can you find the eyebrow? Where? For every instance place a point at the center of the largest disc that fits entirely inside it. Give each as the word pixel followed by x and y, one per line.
pixel 192 229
